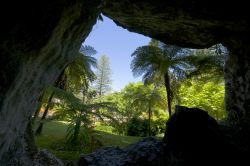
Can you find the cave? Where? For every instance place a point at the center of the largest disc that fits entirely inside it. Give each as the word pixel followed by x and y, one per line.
pixel 39 39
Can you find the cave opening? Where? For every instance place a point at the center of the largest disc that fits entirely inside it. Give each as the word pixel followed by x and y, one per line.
pixel 68 130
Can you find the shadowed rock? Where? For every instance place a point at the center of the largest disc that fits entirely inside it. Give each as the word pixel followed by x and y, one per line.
pixel 192 138
pixel 195 138
pixel 43 157
pixel 144 152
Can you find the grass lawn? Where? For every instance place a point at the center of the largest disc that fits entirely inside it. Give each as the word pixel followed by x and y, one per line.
pixel 53 139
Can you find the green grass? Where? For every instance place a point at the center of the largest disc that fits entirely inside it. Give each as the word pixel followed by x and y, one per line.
pixel 115 140
pixel 104 128
pixel 53 139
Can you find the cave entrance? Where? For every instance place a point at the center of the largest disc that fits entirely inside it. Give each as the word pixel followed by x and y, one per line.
pixel 42 38
pixel 71 129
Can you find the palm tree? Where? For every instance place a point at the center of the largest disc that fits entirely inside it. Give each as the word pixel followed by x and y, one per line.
pixel 79 73
pixel 78 113
pixel 158 62
pixel 74 77
pixel 208 64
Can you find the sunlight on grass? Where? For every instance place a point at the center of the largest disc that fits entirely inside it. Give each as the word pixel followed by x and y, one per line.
pixel 115 140
pixel 53 139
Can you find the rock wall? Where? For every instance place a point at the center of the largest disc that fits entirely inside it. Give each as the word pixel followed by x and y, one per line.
pixel 237 84
pixel 36 46
pixel 193 23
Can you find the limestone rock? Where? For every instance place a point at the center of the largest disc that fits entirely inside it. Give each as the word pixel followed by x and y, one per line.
pixel 195 138
pixel 144 152
pixel 43 157
pixel 186 23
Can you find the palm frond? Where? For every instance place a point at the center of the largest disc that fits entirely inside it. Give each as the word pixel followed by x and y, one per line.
pixel 80 72
pixel 87 50
pixel 205 61
pixel 66 97
pixel 146 60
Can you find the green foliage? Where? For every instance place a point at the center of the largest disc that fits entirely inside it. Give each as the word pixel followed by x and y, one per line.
pixel 53 139
pixel 140 97
pixel 208 65
pixel 105 128
pixel 79 114
pixel 168 64
pixel 208 96
pixel 157 59
pixel 158 126
pixel 159 122
pixel 135 100
pixel 79 73
pixel 158 62
pixel 78 134
pixel 75 77
pixel 139 127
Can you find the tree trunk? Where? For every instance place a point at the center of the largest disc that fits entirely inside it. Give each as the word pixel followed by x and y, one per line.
pixel 60 83
pixel 168 90
pixel 149 121
pixel 40 103
pixel 40 127
pixel 76 133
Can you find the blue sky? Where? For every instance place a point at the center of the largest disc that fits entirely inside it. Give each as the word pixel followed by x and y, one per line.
pixel 118 44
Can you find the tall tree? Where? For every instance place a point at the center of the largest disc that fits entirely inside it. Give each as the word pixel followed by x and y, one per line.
pixel 147 98
pixel 160 62
pixel 103 76
pixel 136 100
pixel 74 77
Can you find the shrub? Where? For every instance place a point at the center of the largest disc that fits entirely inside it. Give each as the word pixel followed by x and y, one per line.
pixel 139 127
pixel 158 126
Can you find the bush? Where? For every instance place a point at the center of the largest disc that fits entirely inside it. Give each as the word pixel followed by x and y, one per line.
pixel 139 127
pixel 158 126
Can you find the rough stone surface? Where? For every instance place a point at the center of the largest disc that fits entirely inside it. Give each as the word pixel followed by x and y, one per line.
pixel 35 48
pixel 43 157
pixel 195 138
pixel 237 84
pixel 187 23
pixel 145 152
pixel 192 138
